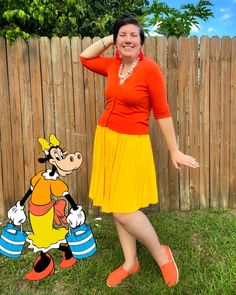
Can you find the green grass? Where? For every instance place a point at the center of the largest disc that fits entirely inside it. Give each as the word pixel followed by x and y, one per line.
pixel 203 243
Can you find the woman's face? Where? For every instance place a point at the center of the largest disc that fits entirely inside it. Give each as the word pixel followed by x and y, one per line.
pixel 128 41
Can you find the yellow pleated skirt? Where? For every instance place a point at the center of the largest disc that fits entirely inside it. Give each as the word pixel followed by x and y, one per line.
pixel 123 176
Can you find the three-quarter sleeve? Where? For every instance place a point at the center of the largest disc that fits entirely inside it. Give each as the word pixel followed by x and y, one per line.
pixel 157 92
pixel 99 65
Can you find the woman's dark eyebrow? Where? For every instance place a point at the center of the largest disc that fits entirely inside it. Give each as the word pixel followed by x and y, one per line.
pixel 122 32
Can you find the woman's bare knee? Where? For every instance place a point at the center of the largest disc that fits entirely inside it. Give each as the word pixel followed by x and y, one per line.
pixel 120 217
pixel 123 218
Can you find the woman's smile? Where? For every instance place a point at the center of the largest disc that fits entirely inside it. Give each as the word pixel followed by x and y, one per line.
pixel 128 41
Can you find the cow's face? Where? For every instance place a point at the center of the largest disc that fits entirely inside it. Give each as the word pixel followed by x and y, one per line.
pixel 64 162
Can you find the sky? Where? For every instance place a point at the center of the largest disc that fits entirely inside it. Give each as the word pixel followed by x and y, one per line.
pixel 222 24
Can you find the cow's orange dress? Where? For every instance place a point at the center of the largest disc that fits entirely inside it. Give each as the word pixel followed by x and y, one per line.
pixel 45 236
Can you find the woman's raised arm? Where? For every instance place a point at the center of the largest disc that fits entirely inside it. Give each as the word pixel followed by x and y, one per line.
pixel 98 47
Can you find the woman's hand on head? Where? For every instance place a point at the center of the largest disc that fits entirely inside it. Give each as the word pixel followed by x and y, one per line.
pixel 179 158
pixel 110 39
pixel 107 41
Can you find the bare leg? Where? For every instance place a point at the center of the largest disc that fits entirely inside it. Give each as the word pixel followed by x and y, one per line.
pixel 140 228
pixel 128 244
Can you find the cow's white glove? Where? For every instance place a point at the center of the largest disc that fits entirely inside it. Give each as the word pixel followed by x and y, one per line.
pixel 76 217
pixel 16 214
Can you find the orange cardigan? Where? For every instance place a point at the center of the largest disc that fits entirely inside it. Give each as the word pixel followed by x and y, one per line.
pixel 128 105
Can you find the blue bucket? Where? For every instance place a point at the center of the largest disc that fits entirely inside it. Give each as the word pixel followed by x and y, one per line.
pixel 81 241
pixel 12 241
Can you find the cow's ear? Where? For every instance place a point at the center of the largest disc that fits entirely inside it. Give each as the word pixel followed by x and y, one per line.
pixel 42 160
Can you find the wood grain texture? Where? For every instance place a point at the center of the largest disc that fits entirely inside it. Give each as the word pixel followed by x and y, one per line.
pixel 204 128
pixel 172 92
pixel 80 122
pixel 214 119
pixel 183 118
pixel 194 124
pixel 7 184
pixel 232 151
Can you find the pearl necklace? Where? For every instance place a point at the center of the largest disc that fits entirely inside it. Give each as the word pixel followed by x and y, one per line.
pixel 129 72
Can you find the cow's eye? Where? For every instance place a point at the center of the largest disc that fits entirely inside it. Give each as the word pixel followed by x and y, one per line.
pixel 57 157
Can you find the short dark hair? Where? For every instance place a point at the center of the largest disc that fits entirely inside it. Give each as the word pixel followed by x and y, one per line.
pixel 127 19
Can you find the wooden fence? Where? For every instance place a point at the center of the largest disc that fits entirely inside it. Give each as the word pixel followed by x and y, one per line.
pixel 44 89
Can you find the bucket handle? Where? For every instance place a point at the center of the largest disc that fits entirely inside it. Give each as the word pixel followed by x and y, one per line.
pixel 21 226
pixel 69 229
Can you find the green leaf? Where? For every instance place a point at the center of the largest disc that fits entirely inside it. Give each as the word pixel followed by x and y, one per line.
pixel 41 19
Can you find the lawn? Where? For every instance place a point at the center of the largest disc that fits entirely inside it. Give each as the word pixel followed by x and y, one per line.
pixel 203 243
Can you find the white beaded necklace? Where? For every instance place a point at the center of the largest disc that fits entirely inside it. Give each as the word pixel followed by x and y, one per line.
pixel 129 72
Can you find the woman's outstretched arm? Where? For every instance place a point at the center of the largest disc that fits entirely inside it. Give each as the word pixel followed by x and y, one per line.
pixel 167 128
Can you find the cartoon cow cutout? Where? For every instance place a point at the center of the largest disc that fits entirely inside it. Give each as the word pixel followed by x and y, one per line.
pixel 44 210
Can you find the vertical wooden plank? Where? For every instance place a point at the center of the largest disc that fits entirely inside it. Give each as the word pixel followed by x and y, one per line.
pixel 47 86
pixel 161 158
pixel 80 126
pixel 16 120
pixel 215 74
pixel 194 124
pixel 58 90
pixel 183 96
pixel 37 99
pixel 2 207
pixel 225 121
pixel 151 52
pixel 173 103
pixel 90 111
pixel 26 112
pixel 107 53
pixel 99 92
pixel 68 92
pixel 69 110
pixel 232 151
pixel 6 167
pixel 204 121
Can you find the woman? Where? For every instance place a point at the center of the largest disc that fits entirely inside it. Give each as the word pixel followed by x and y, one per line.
pixel 123 175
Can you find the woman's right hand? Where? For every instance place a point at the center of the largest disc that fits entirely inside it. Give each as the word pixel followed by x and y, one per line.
pixel 108 40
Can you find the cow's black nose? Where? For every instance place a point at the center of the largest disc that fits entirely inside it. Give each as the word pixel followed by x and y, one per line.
pixel 79 156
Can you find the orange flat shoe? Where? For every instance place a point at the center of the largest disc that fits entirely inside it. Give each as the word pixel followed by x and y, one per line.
pixel 65 263
pixel 169 270
pixel 37 276
pixel 120 274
